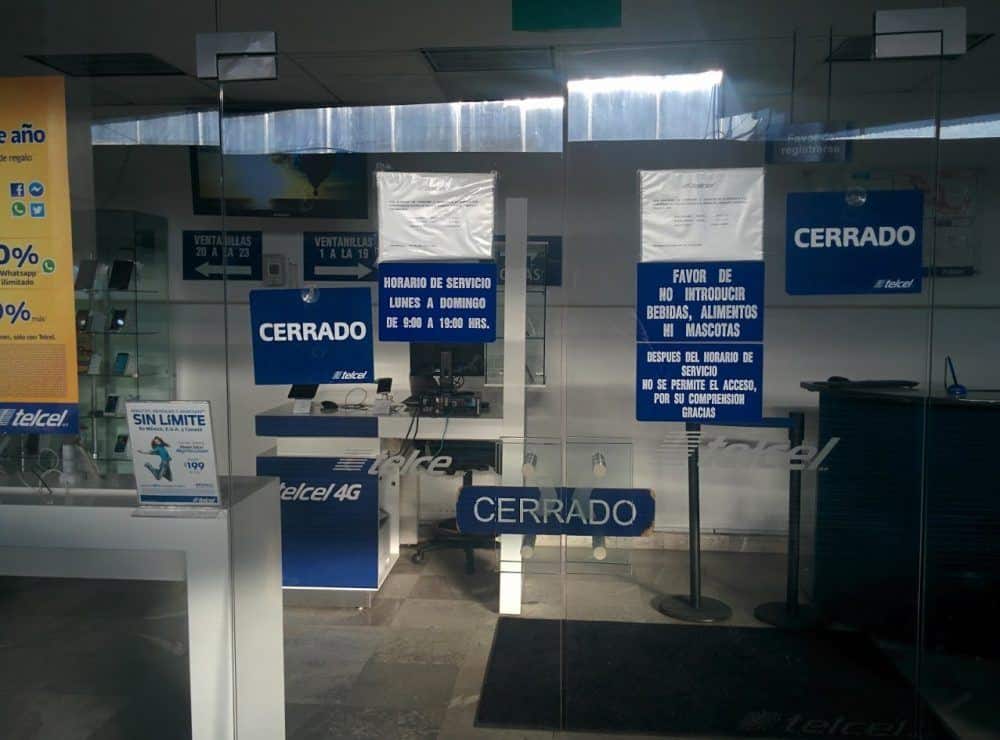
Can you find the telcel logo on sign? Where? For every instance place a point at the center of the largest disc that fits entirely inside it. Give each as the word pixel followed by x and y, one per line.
pixel 616 512
pixel 49 419
pixel 838 243
pixel 307 492
pixel 322 336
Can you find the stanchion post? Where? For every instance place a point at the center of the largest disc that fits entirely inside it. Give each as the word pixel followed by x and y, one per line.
pixel 693 607
pixel 790 614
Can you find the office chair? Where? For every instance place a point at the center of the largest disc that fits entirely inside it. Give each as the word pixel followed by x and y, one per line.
pixel 448 537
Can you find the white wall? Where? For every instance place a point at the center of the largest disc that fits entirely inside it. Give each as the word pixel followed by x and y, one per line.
pixel 589 196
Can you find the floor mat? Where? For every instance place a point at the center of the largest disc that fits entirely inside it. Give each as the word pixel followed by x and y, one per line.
pixel 680 679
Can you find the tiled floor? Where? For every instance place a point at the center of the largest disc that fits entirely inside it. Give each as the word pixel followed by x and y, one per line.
pixel 107 661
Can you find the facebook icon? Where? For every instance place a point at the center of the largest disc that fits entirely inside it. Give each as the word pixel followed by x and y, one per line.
pixel 17 190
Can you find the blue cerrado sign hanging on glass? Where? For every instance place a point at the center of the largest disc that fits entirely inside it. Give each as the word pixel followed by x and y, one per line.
pixel 614 512
pixel 437 301
pixel 856 242
pixel 317 336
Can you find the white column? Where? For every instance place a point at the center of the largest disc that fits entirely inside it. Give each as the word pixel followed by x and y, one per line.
pixel 514 356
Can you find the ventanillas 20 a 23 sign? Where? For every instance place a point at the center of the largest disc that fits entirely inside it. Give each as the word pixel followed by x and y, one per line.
pixel 614 512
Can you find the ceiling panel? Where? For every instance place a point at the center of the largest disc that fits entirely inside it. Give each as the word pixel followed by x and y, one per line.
pixel 333 65
pixel 389 90
pixel 155 90
pixel 500 85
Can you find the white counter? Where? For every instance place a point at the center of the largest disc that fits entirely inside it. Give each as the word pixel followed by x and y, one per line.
pixel 230 561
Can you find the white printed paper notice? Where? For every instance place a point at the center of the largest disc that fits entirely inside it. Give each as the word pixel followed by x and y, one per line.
pixel 173 454
pixel 435 216
pixel 702 215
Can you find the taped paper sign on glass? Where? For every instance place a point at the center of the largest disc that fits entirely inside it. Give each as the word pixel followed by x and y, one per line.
pixel 701 215
pixel 435 216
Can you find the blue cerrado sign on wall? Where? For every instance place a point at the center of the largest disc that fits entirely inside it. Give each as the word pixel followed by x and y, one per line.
pixel 437 301
pixel 857 242
pixel 321 336
pixel 614 512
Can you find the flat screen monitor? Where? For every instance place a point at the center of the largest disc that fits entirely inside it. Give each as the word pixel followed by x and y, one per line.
pixel 467 360
pixel 291 185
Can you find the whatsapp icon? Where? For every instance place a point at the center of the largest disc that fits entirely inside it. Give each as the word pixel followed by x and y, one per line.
pixel 48 266
pixel 17 208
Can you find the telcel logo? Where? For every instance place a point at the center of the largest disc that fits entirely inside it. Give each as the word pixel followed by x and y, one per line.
pixel 306 492
pixel 724 453
pixel 350 375
pixel 893 284
pixel 40 418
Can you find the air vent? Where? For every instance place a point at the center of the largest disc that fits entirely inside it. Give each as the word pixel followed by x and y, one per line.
pixel 862 48
pixel 497 59
pixel 107 65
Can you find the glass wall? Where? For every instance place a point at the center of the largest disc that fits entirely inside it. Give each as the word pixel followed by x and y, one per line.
pixel 781 395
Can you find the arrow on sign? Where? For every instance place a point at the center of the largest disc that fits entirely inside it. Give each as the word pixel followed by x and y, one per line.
pixel 358 271
pixel 207 270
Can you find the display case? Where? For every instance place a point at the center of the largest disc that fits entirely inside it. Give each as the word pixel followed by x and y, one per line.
pixel 123 331
pixel 534 340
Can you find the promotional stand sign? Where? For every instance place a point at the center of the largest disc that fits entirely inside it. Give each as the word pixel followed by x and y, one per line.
pixel 312 336
pixel 700 297
pixel 173 453
pixel 38 363
pixel 432 226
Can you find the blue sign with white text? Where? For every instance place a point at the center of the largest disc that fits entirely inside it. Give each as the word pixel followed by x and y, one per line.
pixel 854 242
pixel 544 259
pixel 205 251
pixel 700 301
pixel 613 512
pixel 437 301
pixel 339 255
pixel 39 418
pixel 706 383
pixel 322 336
pixel 329 521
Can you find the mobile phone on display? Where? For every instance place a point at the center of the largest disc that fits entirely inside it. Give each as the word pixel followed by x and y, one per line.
pixel 82 320
pixel 121 442
pixel 121 275
pixel 303 391
pixel 121 363
pixel 85 274
pixel 96 360
pixel 119 317
pixel 111 405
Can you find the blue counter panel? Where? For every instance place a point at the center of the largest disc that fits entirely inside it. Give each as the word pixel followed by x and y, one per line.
pixel 314 425
pixel 329 521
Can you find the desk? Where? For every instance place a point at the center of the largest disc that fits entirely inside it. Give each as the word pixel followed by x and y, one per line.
pixel 869 503
pixel 230 563
pixel 340 543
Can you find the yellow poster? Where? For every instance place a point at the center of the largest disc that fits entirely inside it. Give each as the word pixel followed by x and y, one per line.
pixel 38 381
